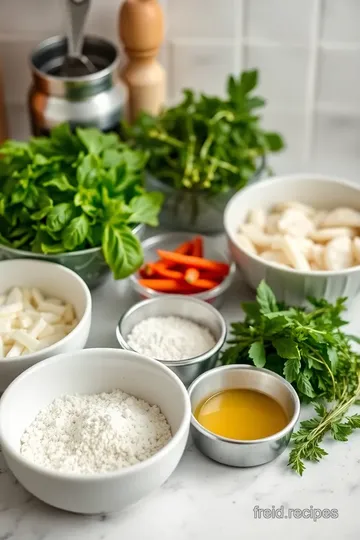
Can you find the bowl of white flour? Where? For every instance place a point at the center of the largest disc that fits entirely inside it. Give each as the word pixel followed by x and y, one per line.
pixel 96 430
pixel 182 332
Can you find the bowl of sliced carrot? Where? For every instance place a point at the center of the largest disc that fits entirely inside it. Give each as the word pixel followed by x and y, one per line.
pixel 181 263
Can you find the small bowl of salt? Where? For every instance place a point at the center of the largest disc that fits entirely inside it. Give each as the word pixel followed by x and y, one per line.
pixel 184 333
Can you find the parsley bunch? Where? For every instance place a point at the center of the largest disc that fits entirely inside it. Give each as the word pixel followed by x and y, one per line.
pixel 309 349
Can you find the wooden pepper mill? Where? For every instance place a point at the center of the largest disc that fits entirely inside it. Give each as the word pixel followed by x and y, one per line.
pixel 141 31
pixel 3 122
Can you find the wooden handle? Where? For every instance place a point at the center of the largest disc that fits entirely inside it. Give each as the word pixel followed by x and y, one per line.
pixel 141 26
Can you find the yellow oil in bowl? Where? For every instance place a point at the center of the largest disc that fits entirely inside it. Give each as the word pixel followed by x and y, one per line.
pixel 241 414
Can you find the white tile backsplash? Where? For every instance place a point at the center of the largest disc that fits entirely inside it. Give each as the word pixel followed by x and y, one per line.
pixel 208 39
pixel 201 67
pixel 210 19
pixel 27 16
pixel 276 64
pixel 341 21
pixel 339 77
pixel 278 20
pixel 337 144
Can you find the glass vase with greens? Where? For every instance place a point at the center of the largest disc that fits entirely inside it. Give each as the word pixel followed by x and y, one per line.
pixel 203 150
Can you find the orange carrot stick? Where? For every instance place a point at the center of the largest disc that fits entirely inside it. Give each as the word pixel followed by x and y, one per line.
pixel 166 285
pixel 161 269
pixel 191 275
pixel 204 284
pixel 194 262
pixel 185 248
pixel 213 276
pixel 198 248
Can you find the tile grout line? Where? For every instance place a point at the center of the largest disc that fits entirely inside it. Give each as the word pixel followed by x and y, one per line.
pixel 312 79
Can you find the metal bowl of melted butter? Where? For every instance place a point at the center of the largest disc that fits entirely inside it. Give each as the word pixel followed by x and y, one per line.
pixel 242 416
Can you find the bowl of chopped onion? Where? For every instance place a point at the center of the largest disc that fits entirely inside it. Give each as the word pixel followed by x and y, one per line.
pixel 45 310
pixel 300 233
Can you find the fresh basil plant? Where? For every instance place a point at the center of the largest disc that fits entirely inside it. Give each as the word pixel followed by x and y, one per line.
pixel 75 191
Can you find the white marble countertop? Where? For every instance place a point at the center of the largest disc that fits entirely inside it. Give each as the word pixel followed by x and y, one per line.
pixel 202 500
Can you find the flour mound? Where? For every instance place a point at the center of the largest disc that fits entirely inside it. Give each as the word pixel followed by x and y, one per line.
pixel 95 433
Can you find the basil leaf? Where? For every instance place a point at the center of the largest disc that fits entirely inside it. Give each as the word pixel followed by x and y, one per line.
pixel 58 193
pixel 60 182
pixel 145 208
pixel 87 172
pixel 122 250
pixel 59 216
pixel 75 233
pixel 92 139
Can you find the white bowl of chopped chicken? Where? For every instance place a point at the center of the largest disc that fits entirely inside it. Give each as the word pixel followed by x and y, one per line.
pixel 45 310
pixel 300 233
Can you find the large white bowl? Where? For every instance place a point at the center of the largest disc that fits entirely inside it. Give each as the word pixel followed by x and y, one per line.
pixel 54 280
pixel 86 372
pixel 293 286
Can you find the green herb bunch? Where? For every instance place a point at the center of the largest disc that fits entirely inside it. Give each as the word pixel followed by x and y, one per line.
pixel 207 143
pixel 309 349
pixel 75 191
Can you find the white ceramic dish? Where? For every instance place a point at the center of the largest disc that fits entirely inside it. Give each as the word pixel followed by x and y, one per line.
pixel 54 280
pixel 293 286
pixel 85 372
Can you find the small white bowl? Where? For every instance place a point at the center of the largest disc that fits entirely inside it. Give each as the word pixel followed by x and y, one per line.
pixel 87 372
pixel 289 285
pixel 54 280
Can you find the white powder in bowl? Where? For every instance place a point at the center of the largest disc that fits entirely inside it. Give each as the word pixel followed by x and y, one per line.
pixel 170 338
pixel 95 433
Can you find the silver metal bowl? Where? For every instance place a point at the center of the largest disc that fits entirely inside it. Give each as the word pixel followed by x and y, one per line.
pixel 89 263
pixel 169 241
pixel 180 306
pixel 238 453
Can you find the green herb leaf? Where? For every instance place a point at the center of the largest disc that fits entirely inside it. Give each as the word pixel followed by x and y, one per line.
pixel 249 80
pixel 266 298
pixel 59 216
pixel 145 208
pixel 292 369
pixel 122 250
pixel 304 385
pixel 257 354
pixel 286 348
pixel 251 309
pixel 274 142
pixel 74 235
pixel 59 182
